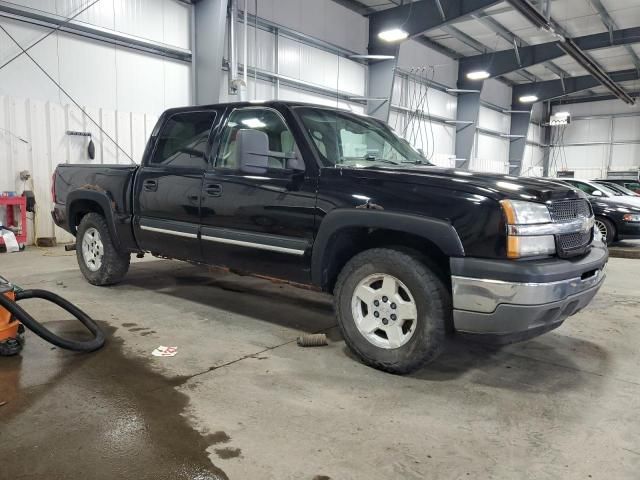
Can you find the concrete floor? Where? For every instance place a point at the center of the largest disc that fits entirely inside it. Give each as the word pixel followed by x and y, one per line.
pixel 242 401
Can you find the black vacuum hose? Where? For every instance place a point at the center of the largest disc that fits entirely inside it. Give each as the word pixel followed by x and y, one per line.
pixel 28 321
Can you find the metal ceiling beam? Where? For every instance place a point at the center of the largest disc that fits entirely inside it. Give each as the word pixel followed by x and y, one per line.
pixel 556 88
pixel 41 18
pixel 571 48
pixel 418 17
pixel 511 37
pixel 611 24
pixel 591 98
pixel 505 61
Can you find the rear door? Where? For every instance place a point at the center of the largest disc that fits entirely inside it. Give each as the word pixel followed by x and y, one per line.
pixel 168 186
pixel 260 223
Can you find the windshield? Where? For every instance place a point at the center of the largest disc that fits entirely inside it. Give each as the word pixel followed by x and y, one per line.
pixel 343 138
pixel 620 189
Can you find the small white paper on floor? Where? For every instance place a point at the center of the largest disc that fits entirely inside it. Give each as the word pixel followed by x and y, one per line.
pixel 10 241
pixel 163 351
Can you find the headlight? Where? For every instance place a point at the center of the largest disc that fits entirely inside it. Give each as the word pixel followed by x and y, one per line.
pixel 522 213
pixel 632 217
pixel 525 213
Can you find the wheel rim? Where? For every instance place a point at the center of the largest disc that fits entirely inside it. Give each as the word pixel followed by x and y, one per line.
pixel 92 249
pixel 603 229
pixel 384 311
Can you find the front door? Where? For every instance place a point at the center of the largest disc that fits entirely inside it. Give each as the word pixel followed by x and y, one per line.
pixel 169 184
pixel 260 223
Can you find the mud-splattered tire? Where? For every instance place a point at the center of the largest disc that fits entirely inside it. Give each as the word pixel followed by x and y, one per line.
pixel 100 262
pixel 385 284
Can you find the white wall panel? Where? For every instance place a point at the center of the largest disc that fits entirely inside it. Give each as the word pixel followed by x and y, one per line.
pixel 494 121
pixel 625 157
pixel 416 55
pixel 532 161
pixel 492 154
pixel 582 131
pixel 322 19
pixel 626 128
pixel 43 126
pixel 496 93
pixel 352 76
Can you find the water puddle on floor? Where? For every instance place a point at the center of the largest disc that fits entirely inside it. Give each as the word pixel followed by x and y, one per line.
pixel 100 416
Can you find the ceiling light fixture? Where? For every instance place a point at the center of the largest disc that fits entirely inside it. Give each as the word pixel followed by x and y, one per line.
pixel 528 98
pixel 373 57
pixel 393 35
pixel 478 75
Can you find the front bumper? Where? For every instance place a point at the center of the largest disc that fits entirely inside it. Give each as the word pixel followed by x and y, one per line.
pixel 514 301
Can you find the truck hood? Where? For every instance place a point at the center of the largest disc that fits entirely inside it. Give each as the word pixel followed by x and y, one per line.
pixel 496 186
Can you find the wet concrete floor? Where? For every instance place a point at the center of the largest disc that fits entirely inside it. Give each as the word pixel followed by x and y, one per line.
pixel 240 400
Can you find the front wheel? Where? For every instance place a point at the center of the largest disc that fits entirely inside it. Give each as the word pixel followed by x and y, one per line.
pixel 607 229
pixel 392 310
pixel 99 260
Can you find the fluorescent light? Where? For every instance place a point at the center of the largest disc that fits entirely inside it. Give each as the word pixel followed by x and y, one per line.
pixel 478 75
pixel 253 123
pixel 528 99
pixel 373 57
pixel 561 114
pixel 461 90
pixel 393 35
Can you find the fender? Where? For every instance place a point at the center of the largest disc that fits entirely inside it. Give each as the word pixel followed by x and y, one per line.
pixel 439 232
pixel 100 198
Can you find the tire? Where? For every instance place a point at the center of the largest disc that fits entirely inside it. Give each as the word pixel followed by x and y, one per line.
pixel 100 262
pixel 422 340
pixel 607 228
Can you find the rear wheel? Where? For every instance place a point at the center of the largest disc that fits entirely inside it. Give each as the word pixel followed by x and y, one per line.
pixel 99 260
pixel 607 229
pixel 392 310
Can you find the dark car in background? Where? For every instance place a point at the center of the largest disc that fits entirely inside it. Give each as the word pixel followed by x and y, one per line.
pixel 633 185
pixel 622 190
pixel 616 220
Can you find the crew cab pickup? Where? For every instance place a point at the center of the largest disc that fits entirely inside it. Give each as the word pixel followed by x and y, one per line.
pixel 315 195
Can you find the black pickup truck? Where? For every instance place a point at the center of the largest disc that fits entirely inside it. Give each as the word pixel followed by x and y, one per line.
pixel 315 195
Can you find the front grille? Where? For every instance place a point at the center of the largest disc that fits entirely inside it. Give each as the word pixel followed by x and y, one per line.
pixel 567 210
pixel 563 211
pixel 573 243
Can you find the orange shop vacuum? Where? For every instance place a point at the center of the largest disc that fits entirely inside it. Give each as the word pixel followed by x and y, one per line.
pixel 14 319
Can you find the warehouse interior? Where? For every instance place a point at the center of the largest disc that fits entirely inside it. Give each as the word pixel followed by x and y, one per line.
pixel 522 90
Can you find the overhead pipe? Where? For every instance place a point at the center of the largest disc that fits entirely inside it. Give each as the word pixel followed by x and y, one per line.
pixel 571 48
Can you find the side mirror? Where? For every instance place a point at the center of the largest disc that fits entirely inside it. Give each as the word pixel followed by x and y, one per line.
pixel 597 193
pixel 252 150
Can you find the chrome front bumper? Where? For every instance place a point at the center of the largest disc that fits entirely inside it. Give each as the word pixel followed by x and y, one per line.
pixel 511 310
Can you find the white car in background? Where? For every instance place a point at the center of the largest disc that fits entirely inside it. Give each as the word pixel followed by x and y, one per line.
pixel 594 189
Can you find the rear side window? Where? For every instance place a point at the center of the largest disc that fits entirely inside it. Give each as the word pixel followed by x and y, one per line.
pixel 182 142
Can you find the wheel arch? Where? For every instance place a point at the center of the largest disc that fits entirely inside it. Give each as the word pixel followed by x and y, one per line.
pixel 82 202
pixel 344 233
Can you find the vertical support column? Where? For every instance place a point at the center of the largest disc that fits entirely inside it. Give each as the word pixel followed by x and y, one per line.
pixel 546 138
pixel 210 27
pixel 467 121
pixel 518 135
pixel 380 77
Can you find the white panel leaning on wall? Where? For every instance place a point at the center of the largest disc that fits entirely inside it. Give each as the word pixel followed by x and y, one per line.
pixel 33 137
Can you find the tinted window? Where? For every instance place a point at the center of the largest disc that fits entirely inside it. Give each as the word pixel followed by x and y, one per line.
pixel 343 138
pixel 265 120
pixel 182 142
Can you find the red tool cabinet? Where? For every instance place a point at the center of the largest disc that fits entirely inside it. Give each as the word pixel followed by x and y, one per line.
pixel 15 217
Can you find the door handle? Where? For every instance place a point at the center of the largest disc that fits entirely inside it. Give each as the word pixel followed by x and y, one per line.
pixel 213 190
pixel 150 185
